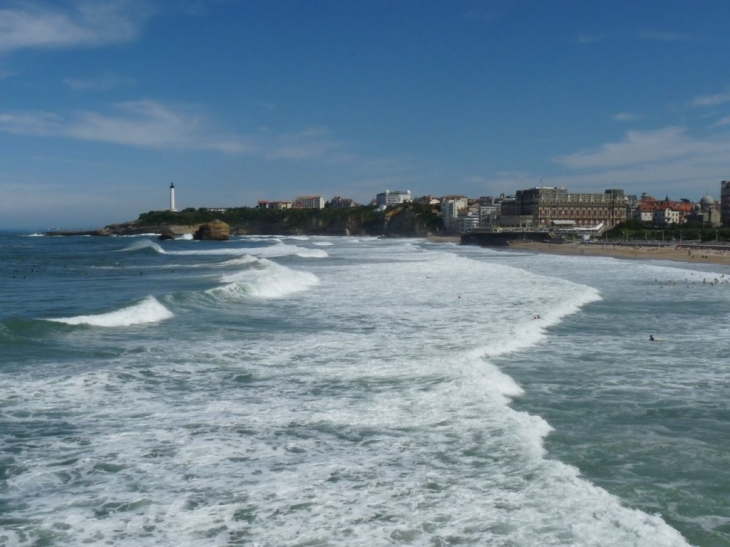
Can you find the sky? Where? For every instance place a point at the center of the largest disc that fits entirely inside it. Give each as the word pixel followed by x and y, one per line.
pixel 104 103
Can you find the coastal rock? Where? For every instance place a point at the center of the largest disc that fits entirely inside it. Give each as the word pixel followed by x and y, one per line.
pixel 166 233
pixel 216 230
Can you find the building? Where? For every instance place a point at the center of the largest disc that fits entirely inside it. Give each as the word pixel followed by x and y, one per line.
pixel 466 223
pixel 340 203
pixel 725 202
pixel 644 212
pixel 428 200
pixel 449 213
pixel 546 207
pixel 309 202
pixel 263 204
pixel 489 215
pixel 707 212
pixel 172 197
pixel 666 215
pixel 392 197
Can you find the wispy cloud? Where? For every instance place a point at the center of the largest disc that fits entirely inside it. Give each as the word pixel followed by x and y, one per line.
pixel 75 23
pixel 663 36
pixel 151 124
pixel 669 160
pixel 100 82
pixel 627 117
pixel 645 147
pixel 722 121
pixel 712 100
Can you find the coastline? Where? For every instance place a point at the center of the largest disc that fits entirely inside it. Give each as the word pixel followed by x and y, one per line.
pixel 689 255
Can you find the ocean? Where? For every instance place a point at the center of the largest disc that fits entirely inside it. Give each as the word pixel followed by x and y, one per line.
pixel 321 391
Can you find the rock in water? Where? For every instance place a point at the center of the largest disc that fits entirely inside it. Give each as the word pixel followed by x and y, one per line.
pixel 166 233
pixel 216 230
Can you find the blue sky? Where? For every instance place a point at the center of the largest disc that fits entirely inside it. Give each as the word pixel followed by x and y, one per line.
pixel 103 103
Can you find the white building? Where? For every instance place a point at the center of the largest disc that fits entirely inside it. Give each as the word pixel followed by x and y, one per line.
pixel 449 213
pixel 467 223
pixel 725 202
pixel 172 197
pixel 488 215
pixel 393 197
pixel 309 202
pixel 666 216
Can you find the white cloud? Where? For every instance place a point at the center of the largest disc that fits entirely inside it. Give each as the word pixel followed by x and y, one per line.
pixel 627 117
pixel 77 23
pixel 722 121
pixel 642 147
pixel 666 161
pixel 101 82
pixel 712 100
pixel 150 124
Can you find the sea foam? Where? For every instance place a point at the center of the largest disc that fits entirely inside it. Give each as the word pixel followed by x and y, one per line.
pixel 148 310
pixel 264 279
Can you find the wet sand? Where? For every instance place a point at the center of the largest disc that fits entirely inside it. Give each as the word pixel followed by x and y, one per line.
pixel 678 253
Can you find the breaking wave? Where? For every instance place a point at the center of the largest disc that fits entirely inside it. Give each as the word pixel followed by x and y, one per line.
pixel 148 310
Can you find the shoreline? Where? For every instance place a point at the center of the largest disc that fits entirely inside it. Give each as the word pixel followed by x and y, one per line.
pixel 688 255
pixel 685 253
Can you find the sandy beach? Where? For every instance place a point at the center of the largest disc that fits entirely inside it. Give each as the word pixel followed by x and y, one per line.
pixel 680 253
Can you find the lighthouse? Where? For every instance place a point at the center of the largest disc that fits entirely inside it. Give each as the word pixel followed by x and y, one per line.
pixel 172 197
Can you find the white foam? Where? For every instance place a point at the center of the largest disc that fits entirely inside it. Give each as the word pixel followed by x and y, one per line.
pixel 265 280
pixel 272 251
pixel 240 261
pixel 371 417
pixel 144 244
pixel 147 311
pixel 185 237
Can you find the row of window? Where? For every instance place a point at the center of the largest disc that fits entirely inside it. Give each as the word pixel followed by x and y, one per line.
pixel 593 213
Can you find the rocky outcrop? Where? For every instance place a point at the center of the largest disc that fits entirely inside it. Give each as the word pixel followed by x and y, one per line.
pixel 216 230
pixel 166 233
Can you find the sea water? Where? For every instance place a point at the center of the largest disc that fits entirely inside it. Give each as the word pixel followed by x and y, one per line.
pixel 353 391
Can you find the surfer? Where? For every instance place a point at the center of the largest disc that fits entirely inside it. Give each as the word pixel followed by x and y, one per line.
pixel 651 338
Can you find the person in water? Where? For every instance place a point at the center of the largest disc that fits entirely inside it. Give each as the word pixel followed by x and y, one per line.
pixel 651 338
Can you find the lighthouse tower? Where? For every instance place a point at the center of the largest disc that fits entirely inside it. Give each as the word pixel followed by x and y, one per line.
pixel 172 197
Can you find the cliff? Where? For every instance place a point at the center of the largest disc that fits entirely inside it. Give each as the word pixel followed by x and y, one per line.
pixel 407 220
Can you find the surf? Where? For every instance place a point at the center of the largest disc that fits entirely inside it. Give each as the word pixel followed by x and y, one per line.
pixel 149 310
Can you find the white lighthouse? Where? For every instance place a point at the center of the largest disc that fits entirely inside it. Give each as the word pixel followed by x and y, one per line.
pixel 172 197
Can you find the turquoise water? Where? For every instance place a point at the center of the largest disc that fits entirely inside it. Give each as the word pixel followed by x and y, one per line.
pixel 344 391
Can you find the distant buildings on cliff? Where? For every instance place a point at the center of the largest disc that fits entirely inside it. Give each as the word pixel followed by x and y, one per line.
pixel 542 208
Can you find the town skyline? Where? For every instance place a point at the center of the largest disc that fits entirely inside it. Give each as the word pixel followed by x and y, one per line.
pixel 106 102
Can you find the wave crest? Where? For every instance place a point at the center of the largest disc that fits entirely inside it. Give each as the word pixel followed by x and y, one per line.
pixel 148 310
pixel 264 279
pixel 144 245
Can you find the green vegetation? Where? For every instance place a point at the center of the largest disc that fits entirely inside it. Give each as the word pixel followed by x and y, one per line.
pixel 242 215
pixel 636 230
pixel 399 220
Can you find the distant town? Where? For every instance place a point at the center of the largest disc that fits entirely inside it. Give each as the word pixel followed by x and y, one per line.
pixel 539 209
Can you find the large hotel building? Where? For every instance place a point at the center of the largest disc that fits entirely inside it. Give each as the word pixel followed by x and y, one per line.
pixel 725 202
pixel 553 207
